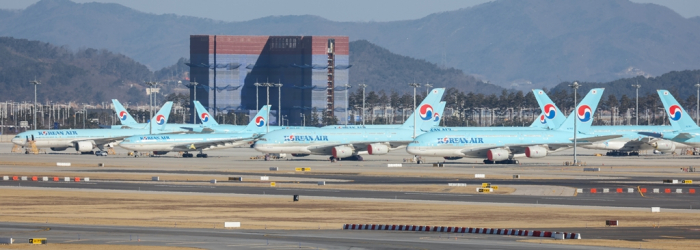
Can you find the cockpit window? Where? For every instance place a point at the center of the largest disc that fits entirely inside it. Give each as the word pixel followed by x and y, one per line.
pixel 16 137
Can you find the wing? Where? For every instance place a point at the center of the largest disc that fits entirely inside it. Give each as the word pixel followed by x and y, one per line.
pixel 596 138
pixel 211 144
pixel 357 146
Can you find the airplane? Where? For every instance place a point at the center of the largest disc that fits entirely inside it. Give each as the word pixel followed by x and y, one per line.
pixel 128 122
pixel 629 144
pixel 686 131
pixel 351 143
pixel 502 146
pixel 161 144
pixel 85 140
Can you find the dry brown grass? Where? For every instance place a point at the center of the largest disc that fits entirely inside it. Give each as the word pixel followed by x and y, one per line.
pixel 646 244
pixel 255 212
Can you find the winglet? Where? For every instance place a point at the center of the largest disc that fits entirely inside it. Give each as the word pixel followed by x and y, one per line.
pixel 680 120
pixel 124 117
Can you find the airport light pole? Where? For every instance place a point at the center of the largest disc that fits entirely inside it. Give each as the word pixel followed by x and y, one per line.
pixel 427 88
pixel 267 85
pixel 279 100
pixel 151 96
pixel 636 110
pixel 303 118
pixel 414 85
pixel 575 86
pixel 35 82
pixel 363 86
pixel 697 108
pixel 257 104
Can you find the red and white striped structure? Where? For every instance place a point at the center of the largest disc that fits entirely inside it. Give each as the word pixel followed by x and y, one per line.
pixel 412 228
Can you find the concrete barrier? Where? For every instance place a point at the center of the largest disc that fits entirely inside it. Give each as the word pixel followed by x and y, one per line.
pixel 76 179
pixel 559 236
pixel 579 190
pixel 235 178
pixel 656 191
pixel 100 164
pixel 24 178
pixel 7 241
pixel 264 178
pixel 397 165
pixel 44 178
pixel 679 191
pixel 155 178
pixel 438 165
pixel 516 176
pixel 274 168
pixel 232 224
pixel 66 179
pixel 213 181
pixel 630 190
pixel 86 179
pixel 480 176
pixel 591 169
pixel 5 178
pixel 63 164
pixel 439 229
pixel 606 190
pixel 656 209
pixel 321 183
pixel 457 184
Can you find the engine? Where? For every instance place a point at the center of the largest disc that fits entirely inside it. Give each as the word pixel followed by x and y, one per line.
pixel 83 146
pixel 58 149
pixel 160 152
pixel 535 152
pixel 300 155
pixel 377 149
pixel 497 154
pixel 664 146
pixel 342 151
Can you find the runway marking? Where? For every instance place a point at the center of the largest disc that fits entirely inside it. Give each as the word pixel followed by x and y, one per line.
pixel 183 186
pixel 465 195
pixel 576 199
pixel 314 190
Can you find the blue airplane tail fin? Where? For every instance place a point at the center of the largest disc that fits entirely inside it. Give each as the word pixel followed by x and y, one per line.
pixel 124 117
pixel 204 116
pixel 426 110
pixel 553 117
pixel 437 116
pixel 161 118
pixel 259 122
pixel 584 112
pixel 540 122
pixel 680 120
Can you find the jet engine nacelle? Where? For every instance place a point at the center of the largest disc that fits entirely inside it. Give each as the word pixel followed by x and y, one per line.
pixel 452 158
pixel 300 155
pixel 497 154
pixel 664 146
pixel 83 146
pixel 535 152
pixel 377 149
pixel 58 149
pixel 342 151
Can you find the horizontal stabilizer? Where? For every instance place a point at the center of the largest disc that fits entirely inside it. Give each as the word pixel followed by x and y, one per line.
pixel 684 136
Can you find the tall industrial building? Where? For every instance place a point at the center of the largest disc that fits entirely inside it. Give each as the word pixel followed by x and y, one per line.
pixel 313 70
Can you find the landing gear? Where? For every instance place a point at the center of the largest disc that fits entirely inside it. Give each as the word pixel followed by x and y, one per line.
pixel 332 159
pixel 621 153
pixel 509 161
pixel 187 155
pixel 200 155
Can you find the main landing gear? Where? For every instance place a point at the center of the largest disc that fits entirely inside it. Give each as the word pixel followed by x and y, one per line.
pixel 351 158
pixel 200 155
pixel 620 153
pixel 509 161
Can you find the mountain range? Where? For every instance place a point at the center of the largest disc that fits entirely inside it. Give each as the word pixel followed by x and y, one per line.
pixel 512 43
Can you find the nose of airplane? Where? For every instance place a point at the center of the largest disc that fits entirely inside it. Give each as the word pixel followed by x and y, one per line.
pixel 18 141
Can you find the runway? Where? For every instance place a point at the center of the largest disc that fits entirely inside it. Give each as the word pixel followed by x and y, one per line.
pixel 266 239
pixel 675 201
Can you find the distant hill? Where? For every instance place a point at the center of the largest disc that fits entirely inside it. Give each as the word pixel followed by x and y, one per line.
pixel 382 70
pixel 680 83
pixel 512 43
pixel 88 75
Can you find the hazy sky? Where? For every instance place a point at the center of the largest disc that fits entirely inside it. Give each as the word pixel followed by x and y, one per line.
pixel 348 10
